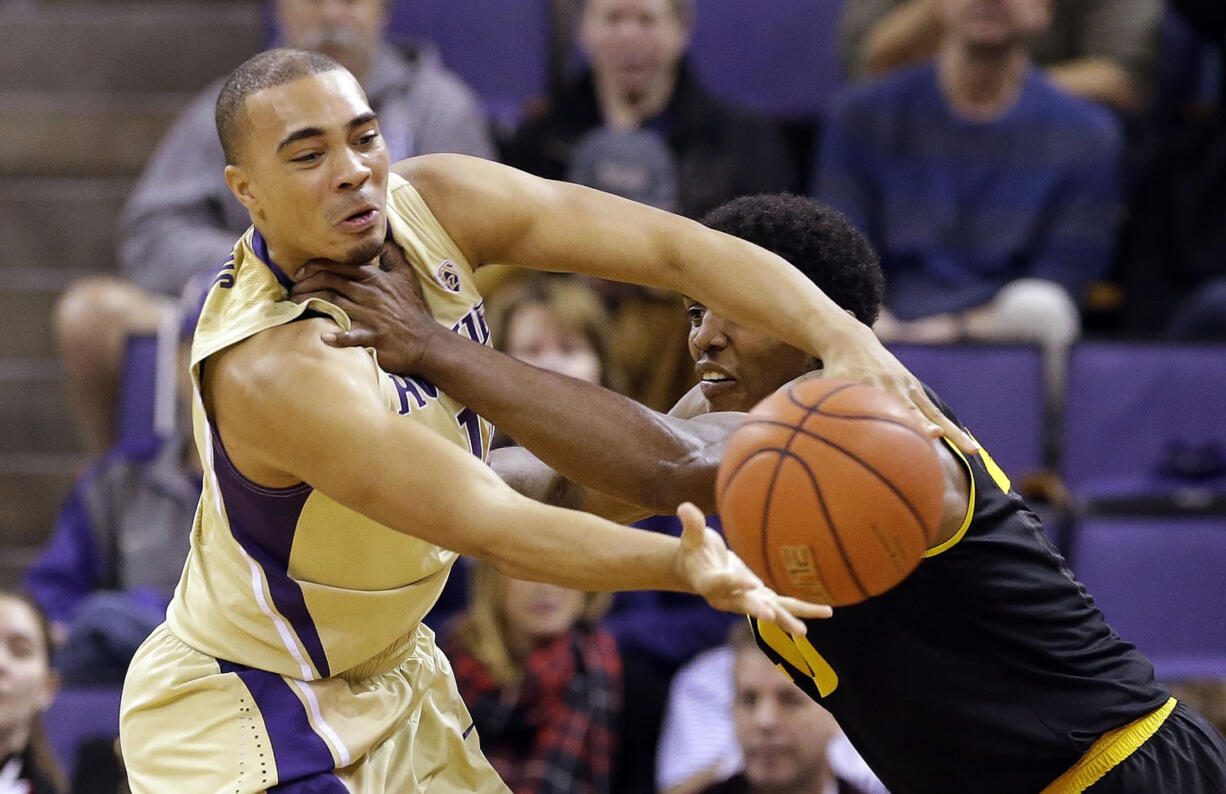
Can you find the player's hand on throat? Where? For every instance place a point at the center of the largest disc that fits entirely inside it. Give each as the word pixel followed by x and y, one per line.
pixel 714 572
pixel 384 302
pixel 868 361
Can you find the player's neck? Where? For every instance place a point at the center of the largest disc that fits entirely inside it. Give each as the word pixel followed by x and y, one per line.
pixel 289 263
pixel 982 84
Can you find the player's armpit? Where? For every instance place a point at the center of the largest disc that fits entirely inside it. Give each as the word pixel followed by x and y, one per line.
pixel 529 475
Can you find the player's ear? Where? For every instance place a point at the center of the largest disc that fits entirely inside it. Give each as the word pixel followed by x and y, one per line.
pixel 239 182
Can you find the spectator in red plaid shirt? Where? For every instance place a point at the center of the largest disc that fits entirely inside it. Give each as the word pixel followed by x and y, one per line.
pixel 542 680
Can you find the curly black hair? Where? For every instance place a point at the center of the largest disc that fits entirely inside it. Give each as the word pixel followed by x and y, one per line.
pixel 817 239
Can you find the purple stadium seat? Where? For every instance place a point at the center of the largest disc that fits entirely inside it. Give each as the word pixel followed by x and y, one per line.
pixel 1126 403
pixel 499 47
pixel 1161 582
pixel 77 715
pixel 147 400
pixel 997 392
pixel 136 389
pixel 774 56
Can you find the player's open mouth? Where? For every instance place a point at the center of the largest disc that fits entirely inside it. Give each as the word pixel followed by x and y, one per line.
pixel 361 220
pixel 713 382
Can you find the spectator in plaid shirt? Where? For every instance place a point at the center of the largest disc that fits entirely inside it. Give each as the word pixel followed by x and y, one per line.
pixel 542 680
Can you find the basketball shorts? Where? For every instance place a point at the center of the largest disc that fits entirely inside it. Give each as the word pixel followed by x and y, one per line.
pixel 192 723
pixel 1185 755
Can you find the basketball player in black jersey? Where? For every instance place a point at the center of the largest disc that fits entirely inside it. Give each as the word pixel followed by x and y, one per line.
pixel 988 671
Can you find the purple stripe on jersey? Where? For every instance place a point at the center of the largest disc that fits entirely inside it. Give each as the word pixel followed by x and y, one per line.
pixel 261 250
pixel 304 762
pixel 263 521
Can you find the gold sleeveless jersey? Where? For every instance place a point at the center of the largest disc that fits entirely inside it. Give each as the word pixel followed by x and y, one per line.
pixel 286 579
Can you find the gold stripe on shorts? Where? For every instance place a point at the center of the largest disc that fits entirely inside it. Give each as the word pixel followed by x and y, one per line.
pixel 1109 750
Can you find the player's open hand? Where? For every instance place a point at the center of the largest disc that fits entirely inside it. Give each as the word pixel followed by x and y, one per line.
pixel 719 576
pixel 868 361
pixel 384 302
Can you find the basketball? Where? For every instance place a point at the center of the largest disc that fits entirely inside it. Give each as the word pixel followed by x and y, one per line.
pixel 830 491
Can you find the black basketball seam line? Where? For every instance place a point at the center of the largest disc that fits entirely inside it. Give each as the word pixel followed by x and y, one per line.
pixel 766 504
pixel 817 407
pixel 732 477
pixel 834 532
pixel 785 453
pixel 901 497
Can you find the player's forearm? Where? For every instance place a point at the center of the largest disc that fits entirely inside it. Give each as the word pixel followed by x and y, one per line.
pixel 759 290
pixel 570 549
pixel 593 436
pixel 497 214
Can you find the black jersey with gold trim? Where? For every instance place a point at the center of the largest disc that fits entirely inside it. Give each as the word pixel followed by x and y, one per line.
pixel 989 669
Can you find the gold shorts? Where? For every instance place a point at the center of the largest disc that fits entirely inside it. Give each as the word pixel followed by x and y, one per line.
pixel 192 723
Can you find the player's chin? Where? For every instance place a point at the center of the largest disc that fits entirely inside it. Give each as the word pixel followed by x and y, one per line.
pixel 723 395
pixel 362 251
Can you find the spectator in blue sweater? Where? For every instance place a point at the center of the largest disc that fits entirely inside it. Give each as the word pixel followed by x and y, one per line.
pixel 991 194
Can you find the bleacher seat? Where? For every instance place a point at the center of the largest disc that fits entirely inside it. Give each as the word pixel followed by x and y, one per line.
pixel 1127 403
pixel 499 47
pixel 774 56
pixel 1160 583
pixel 147 400
pixel 996 391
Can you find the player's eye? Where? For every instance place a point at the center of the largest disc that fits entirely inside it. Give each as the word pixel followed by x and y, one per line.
pixel 368 138
pixel 695 314
pixel 309 157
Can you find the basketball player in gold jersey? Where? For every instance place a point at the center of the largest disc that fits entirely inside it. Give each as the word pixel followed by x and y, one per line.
pixel 336 496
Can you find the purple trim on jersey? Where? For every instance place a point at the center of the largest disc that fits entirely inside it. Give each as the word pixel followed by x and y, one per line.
pixel 261 250
pixel 304 762
pixel 263 521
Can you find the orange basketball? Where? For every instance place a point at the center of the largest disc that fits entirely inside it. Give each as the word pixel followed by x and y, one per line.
pixel 830 491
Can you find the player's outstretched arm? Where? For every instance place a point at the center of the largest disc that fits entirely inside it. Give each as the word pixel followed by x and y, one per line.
pixel 497 214
pixel 290 409
pixel 595 437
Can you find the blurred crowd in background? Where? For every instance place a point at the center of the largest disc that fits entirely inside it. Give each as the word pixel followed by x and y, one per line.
pixel 1032 172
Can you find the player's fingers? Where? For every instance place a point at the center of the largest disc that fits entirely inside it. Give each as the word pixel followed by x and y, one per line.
pixel 945 426
pixel 784 619
pixel 341 269
pixel 805 609
pixel 392 257
pixel 324 281
pixel 693 525
pixel 354 337
pixel 320 294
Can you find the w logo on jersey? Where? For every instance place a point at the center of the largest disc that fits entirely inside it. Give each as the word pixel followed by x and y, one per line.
pixel 448 276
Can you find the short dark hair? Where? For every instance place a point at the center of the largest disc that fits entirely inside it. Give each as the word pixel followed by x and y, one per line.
pixel 267 69
pixel 815 238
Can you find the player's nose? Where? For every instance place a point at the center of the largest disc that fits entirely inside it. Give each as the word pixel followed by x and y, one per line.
pixel 711 333
pixel 352 170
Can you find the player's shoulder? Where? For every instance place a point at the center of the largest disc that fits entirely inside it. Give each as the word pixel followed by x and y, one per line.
pixel 439 167
pixel 285 359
